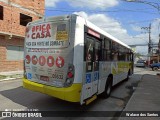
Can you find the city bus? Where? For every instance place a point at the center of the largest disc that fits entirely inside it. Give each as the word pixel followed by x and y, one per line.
pixel 70 58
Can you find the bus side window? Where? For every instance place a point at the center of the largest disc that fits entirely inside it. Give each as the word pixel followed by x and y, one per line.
pixel 106 49
pixel 127 57
pixel 115 50
pixel 126 54
pixel 122 53
pixel 115 56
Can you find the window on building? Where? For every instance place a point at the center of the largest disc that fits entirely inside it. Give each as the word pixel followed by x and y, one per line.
pixel 15 52
pixel 1 12
pixel 24 19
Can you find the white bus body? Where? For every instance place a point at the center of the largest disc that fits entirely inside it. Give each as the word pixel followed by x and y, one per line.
pixel 72 59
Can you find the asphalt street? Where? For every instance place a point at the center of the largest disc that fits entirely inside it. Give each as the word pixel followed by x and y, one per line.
pixel 15 97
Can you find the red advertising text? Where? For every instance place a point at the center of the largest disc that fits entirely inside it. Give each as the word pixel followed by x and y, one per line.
pixel 41 31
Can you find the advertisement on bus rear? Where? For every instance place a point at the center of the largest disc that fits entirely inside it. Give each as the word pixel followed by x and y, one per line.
pixel 47 35
pixel 46 53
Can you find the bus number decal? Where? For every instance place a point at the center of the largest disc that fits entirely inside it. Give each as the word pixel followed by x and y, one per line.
pixel 57 76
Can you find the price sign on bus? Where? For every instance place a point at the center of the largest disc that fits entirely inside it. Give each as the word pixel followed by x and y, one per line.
pixel 62 35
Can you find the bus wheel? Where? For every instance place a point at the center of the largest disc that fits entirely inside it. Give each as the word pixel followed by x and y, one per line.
pixel 108 88
pixel 128 75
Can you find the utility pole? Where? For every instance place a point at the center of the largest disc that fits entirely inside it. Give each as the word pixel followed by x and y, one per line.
pixel 148 29
pixel 159 49
pixel 149 45
pixel 149 42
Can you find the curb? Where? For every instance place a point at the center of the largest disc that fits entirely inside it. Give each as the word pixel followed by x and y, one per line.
pixel 123 110
pixel 8 79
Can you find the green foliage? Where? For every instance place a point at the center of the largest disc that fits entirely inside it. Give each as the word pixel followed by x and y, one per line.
pixel 138 55
pixel 2 76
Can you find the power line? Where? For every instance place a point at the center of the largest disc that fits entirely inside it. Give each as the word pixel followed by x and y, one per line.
pixel 153 4
pixel 101 11
pixel 72 10
pixel 142 21
pixel 98 11
pixel 102 3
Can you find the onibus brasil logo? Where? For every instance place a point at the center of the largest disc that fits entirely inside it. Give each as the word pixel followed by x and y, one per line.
pixel 20 113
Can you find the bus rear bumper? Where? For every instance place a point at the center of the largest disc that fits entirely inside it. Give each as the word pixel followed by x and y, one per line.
pixel 71 94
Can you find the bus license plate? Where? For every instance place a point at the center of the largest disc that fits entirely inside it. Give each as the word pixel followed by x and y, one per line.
pixel 44 78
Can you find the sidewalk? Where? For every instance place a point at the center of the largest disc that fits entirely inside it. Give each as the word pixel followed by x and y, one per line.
pixel 10 75
pixel 146 98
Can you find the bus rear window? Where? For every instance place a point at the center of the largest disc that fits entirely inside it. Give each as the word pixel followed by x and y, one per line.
pixel 61 27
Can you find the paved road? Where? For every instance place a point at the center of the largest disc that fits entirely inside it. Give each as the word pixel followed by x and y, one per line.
pixel 14 96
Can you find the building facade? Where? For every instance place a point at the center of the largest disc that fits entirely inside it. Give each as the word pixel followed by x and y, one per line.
pixel 14 16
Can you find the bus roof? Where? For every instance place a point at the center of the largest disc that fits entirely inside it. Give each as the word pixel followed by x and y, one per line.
pixel 99 30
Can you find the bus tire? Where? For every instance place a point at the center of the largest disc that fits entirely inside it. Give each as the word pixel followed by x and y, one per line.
pixel 108 88
pixel 129 73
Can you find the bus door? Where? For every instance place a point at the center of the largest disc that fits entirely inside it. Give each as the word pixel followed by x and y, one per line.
pixel 91 72
pixel 96 66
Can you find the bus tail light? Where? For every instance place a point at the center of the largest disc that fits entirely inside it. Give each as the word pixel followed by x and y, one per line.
pixel 70 76
pixel 24 68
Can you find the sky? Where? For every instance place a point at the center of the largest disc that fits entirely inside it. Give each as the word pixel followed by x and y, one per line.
pixel 123 20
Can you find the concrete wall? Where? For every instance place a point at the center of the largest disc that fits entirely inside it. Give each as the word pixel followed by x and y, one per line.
pixel 6 65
